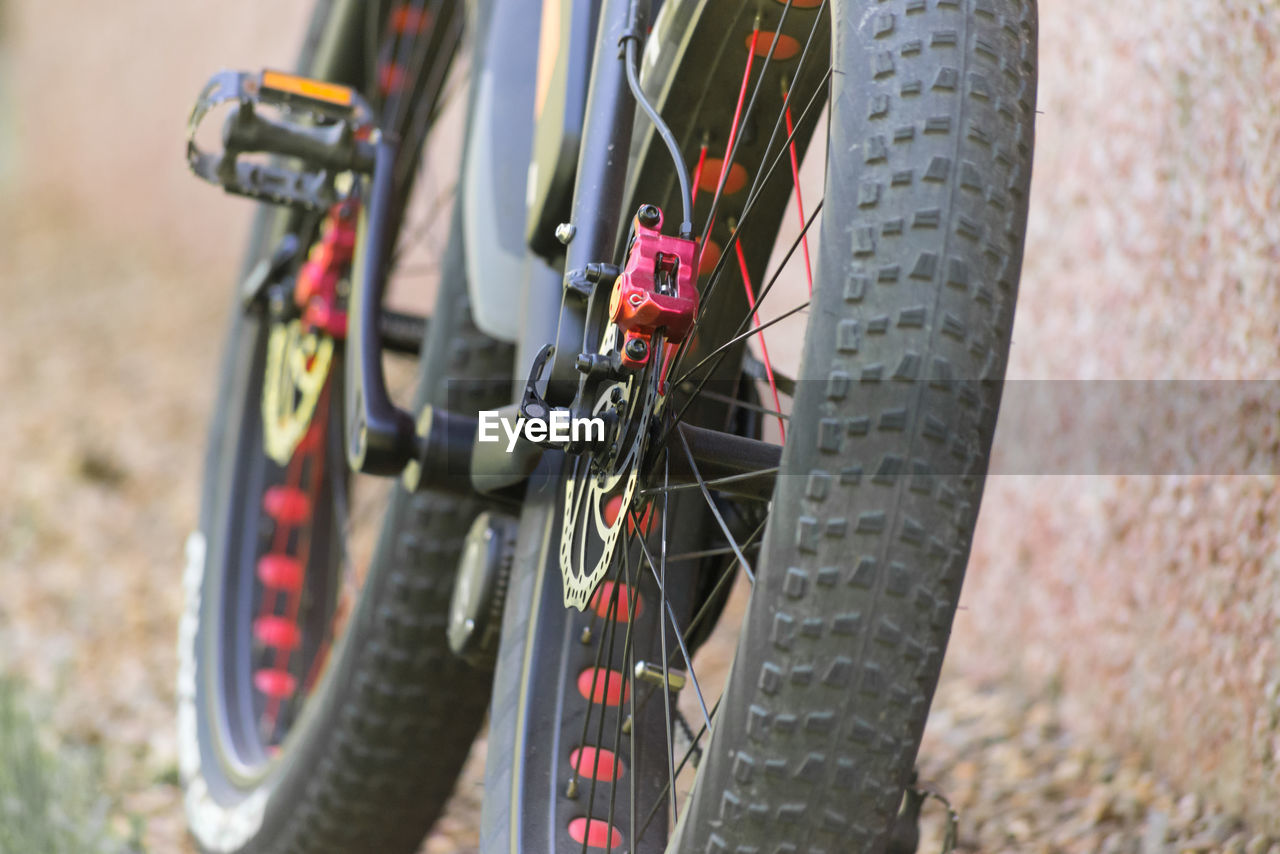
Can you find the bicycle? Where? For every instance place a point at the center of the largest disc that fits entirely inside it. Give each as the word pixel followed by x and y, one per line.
pixel 370 574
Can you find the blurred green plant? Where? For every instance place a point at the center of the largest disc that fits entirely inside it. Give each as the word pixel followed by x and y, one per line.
pixel 51 799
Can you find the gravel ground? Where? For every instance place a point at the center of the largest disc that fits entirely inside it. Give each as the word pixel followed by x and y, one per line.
pixel 105 362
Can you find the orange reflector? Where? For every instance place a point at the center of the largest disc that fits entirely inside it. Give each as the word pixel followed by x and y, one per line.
pixel 610 688
pixel 316 90
pixel 787 46
pixel 277 684
pixel 596 833
pixel 288 505
pixel 280 572
pixel 710 177
pixel 602 601
pixel 709 258
pixel 598 764
pixel 277 632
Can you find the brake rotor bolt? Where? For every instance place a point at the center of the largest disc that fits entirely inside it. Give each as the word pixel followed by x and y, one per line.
pixel 637 349
pixel 649 216
pixel 565 232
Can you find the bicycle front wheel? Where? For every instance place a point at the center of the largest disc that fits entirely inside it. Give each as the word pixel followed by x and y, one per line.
pixel 892 281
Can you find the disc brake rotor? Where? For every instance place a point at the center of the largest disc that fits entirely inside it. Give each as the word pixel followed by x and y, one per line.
pixel 600 491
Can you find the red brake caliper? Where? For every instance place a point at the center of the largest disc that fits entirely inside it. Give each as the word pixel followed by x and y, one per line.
pixel 656 290
pixel 282 571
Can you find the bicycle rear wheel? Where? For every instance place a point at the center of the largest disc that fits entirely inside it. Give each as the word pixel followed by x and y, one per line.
pixel 320 708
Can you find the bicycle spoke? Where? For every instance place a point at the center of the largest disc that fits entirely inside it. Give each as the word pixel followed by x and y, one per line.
pixel 731 147
pixel 631 669
pixel 795 181
pixel 724 577
pixel 662 632
pixel 717 271
pixel 611 632
pixel 715 511
pixel 688 754
pixel 413 56
pixel 718 481
pixel 795 244
pixel 421 118
pixel 762 176
pixel 764 346
pixel 721 351
pixel 746 404
pixel 632 599
pixel 586 719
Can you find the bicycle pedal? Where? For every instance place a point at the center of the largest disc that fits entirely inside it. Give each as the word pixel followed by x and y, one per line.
pixel 325 128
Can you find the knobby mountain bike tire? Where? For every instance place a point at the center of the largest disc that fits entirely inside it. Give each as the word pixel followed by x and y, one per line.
pixel 364 753
pixel 855 569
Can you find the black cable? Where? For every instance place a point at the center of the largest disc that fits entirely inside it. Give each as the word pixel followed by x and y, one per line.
pixel 631 38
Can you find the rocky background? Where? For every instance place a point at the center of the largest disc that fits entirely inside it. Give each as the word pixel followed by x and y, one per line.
pixel 1113 682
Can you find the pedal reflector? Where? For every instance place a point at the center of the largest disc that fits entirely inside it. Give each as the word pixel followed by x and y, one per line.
pixel 306 87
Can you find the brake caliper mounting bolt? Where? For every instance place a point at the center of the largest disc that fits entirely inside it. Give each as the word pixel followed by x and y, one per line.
pixel 565 232
pixel 649 216
pixel 637 349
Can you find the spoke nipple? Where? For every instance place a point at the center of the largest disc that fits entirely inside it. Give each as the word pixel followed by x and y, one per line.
pixel 571 791
pixel 653 674
pixel 586 635
pixel 565 232
pixel 626 726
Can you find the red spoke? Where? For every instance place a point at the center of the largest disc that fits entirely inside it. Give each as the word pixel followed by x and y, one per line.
pixel 697 172
pixel 795 180
pixel 725 164
pixel 764 347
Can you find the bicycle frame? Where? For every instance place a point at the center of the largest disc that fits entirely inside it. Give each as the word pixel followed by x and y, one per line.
pixel 381 438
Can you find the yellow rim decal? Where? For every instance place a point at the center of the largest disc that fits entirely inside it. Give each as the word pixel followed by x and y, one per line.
pixel 297 367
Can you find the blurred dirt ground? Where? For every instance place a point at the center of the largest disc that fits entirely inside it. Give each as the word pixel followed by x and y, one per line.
pixel 1113 681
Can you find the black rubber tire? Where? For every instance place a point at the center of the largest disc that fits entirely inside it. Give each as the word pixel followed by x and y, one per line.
pixel 374 757
pixel 381 742
pixel 931 134
pixel 904 356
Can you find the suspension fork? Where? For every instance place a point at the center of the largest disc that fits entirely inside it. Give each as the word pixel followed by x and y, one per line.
pixel 596 214
pixel 380 437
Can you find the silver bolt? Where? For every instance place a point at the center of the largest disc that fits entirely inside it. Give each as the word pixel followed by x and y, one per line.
pixel 565 232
